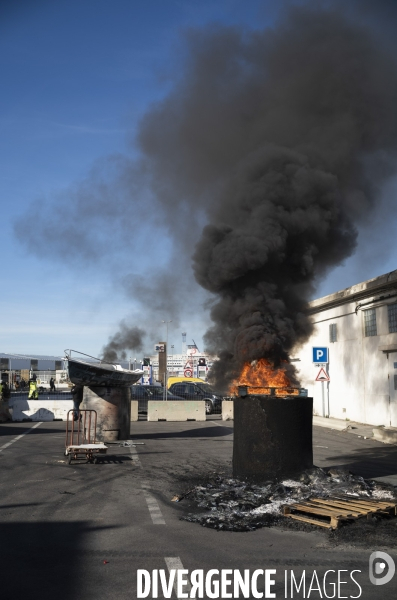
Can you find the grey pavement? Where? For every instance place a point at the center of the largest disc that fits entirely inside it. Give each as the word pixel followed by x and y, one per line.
pixel 344 425
pixel 80 532
pixel 387 435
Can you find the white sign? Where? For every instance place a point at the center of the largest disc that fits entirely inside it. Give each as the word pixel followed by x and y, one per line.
pixel 191 351
pixel 159 348
pixel 188 373
pixel 322 375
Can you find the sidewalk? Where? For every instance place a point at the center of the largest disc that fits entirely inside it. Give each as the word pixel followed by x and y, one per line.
pixel 387 435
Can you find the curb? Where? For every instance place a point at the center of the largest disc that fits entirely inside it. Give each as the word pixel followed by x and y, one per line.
pixel 385 435
pixel 330 423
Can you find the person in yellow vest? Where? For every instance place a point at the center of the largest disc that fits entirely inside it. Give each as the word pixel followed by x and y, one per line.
pixel 33 393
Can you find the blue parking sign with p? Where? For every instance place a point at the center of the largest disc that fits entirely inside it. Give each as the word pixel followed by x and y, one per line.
pixel 320 355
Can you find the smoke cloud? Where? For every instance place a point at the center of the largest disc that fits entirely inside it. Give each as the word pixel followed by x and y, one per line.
pixel 128 338
pixel 270 150
pixel 287 137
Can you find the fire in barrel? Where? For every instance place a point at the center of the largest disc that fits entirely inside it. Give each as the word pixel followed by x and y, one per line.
pixel 272 424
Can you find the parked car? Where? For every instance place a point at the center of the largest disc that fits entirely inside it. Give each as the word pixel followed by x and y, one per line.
pixel 199 391
pixel 144 393
pixel 173 379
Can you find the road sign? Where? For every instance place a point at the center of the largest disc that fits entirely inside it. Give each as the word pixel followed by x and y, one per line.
pixel 320 355
pixel 188 373
pixel 322 375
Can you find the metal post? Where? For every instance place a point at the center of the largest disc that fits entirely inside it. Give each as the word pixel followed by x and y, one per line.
pixel 323 397
pixel 166 362
pixel 328 408
pixel 328 411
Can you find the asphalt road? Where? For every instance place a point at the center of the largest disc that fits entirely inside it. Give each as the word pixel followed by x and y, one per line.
pixel 81 532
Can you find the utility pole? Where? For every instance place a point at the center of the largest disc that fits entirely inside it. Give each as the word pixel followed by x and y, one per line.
pixel 166 323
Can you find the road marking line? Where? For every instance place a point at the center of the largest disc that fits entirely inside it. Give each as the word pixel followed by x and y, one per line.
pixel 4 446
pixel 152 504
pixel 135 456
pixel 174 562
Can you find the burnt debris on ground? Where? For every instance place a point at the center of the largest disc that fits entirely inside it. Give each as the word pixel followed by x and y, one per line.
pixel 231 505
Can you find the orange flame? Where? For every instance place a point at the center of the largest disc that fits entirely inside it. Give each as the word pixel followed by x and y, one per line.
pixel 262 376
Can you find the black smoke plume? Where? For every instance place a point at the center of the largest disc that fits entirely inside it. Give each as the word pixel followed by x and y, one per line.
pixel 127 338
pixel 287 136
pixel 275 144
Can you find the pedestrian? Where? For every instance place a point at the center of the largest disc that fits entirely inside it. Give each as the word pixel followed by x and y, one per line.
pixel 77 393
pixel 33 392
pixel 6 391
pixel 52 385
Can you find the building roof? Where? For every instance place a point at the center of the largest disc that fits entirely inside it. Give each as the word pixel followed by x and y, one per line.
pixel 30 356
pixel 384 284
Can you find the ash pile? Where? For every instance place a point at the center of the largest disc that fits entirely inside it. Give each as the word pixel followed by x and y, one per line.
pixel 233 505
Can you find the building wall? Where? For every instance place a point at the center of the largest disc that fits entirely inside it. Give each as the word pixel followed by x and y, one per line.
pixel 361 373
pixel 176 364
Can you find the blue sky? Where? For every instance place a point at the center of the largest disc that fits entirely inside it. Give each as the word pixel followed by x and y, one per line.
pixel 77 77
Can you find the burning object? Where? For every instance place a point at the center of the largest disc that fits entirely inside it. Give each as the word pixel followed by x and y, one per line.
pixel 272 426
pixel 260 377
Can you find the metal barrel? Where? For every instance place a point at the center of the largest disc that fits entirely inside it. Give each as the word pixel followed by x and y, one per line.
pixel 113 407
pixel 272 437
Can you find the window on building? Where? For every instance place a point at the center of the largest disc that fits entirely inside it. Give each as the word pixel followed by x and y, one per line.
pixel 332 332
pixel 370 322
pixel 392 314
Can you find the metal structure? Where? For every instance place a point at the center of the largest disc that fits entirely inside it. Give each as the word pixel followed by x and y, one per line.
pixel 98 372
pixel 166 323
pixel 81 437
pixel 272 434
pixel 245 390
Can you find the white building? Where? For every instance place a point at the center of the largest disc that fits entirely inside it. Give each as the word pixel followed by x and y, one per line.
pixel 184 365
pixel 359 327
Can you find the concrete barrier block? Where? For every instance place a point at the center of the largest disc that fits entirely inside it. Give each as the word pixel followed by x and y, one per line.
pixel 39 410
pixel 5 414
pixel 134 410
pixel 174 410
pixel 387 435
pixel 227 410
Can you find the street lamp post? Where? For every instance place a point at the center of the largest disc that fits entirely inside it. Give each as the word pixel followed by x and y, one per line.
pixel 166 323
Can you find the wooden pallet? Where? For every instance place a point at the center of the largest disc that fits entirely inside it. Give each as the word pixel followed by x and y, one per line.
pixel 330 512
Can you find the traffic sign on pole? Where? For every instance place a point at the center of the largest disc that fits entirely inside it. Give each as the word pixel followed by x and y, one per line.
pixel 188 373
pixel 322 375
pixel 320 355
